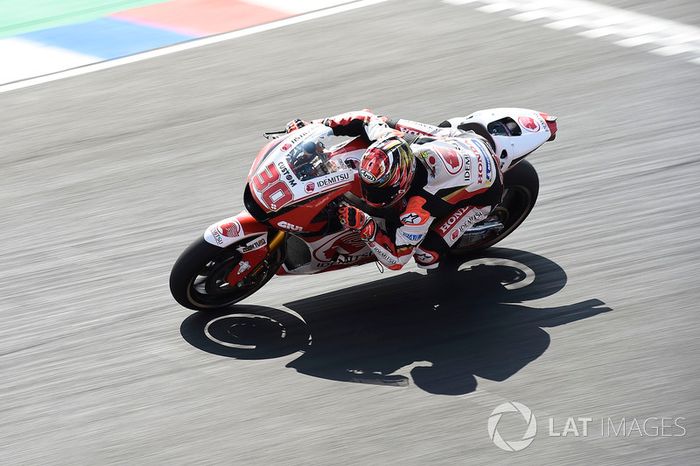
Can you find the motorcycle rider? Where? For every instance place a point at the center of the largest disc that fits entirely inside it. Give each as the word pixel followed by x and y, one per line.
pixel 304 163
pixel 441 183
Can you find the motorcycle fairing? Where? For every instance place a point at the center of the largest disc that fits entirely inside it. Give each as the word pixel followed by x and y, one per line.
pixel 515 132
pixel 297 168
pixel 234 229
pixel 325 253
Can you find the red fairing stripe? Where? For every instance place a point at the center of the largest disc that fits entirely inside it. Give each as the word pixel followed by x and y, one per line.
pixel 249 224
pixel 551 124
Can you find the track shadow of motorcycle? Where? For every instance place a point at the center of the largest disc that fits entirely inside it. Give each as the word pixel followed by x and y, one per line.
pixel 443 330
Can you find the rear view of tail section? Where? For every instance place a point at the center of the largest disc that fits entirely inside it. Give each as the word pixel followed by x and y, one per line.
pixel 512 132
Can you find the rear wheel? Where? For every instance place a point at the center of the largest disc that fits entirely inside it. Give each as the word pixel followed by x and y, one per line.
pixel 198 278
pixel 521 187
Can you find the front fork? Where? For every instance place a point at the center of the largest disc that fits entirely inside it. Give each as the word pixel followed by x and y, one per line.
pixel 277 240
pixel 253 240
pixel 253 262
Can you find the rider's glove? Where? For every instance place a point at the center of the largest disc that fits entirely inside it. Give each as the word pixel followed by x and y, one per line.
pixel 353 218
pixel 295 125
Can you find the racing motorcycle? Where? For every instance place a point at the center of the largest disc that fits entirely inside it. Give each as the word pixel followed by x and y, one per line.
pixel 290 224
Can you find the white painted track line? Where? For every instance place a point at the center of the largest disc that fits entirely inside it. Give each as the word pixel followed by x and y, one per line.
pixel 187 45
pixel 625 28
pixel 297 7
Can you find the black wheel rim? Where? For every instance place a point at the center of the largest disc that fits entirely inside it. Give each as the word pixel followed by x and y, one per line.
pixel 210 288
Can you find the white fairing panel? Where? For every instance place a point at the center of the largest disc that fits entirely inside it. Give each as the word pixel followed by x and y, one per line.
pixel 298 168
pixel 230 230
pixel 341 248
pixel 534 131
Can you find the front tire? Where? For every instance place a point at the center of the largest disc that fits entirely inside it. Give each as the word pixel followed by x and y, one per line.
pixel 198 277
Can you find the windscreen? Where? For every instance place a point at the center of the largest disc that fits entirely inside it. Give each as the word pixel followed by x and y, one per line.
pixel 299 167
pixel 309 159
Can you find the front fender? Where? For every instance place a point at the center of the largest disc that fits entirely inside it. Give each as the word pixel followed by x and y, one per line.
pixel 233 229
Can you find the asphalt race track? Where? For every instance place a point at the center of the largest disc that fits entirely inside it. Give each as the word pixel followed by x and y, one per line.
pixel 589 310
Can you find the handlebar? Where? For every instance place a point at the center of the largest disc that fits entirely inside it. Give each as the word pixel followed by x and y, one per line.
pixel 274 134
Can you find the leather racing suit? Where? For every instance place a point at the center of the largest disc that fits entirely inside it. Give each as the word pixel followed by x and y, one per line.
pixel 457 183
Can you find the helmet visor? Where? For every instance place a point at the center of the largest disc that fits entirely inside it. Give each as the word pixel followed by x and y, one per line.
pixel 380 196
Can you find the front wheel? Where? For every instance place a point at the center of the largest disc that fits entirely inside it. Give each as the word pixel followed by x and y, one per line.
pixel 521 187
pixel 198 278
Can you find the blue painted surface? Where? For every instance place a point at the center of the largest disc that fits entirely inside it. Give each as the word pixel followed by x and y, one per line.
pixel 106 38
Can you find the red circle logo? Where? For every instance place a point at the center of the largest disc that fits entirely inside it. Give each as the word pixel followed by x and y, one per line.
pixel 230 229
pixel 529 123
pixel 452 160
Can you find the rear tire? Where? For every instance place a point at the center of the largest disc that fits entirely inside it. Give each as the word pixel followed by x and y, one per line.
pixel 521 187
pixel 197 279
